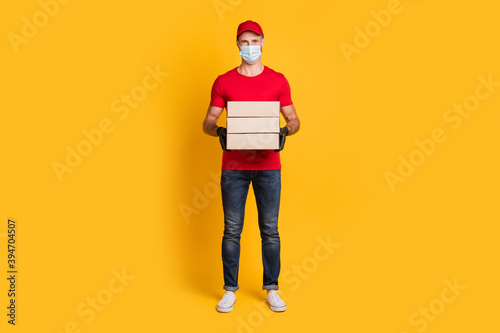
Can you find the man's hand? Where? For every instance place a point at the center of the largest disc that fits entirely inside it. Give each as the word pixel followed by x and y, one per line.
pixel 222 133
pixel 283 133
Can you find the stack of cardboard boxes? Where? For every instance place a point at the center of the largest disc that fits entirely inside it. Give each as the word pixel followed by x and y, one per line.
pixel 253 125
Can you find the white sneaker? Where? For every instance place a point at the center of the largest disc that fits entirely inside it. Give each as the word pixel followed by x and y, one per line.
pixel 275 302
pixel 227 301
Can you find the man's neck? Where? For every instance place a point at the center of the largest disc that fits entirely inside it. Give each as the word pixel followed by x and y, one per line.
pixel 251 70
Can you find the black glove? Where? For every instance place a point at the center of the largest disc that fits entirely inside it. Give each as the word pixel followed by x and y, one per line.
pixel 283 133
pixel 222 133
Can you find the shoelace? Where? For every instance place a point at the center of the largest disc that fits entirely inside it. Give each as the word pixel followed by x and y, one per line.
pixel 227 298
pixel 274 296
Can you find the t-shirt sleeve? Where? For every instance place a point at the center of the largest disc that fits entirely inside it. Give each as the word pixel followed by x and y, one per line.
pixel 216 97
pixel 286 96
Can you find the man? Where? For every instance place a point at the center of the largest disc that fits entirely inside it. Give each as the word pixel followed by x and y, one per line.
pixel 250 81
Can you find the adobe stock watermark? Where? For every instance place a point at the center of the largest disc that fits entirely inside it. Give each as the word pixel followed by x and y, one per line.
pixel 453 117
pixel 90 308
pixel 294 278
pixel 373 28
pixel 94 137
pixel 223 6
pixel 31 26
pixel 426 315
pixel 301 272
pixel 201 197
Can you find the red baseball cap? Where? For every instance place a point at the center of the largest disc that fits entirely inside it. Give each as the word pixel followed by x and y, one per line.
pixel 249 26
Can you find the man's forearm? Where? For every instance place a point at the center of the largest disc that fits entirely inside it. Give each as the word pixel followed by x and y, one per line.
pixel 210 129
pixel 293 126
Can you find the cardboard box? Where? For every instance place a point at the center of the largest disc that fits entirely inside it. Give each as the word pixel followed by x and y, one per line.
pixel 257 141
pixel 253 109
pixel 253 125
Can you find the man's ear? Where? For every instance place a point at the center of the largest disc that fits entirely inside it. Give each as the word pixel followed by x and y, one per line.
pixel 262 42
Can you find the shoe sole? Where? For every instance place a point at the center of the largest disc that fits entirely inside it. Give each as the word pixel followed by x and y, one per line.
pixel 275 309
pixel 225 310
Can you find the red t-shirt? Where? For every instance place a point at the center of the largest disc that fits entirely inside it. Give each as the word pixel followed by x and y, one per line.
pixel 267 86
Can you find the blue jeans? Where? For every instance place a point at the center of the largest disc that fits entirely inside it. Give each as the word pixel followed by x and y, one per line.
pixel 267 188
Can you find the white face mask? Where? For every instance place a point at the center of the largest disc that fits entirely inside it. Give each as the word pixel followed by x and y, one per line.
pixel 250 53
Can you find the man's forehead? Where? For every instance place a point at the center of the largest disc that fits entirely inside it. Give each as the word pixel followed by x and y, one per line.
pixel 248 35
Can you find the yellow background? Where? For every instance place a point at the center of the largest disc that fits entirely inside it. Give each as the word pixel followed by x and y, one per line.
pixel 121 208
